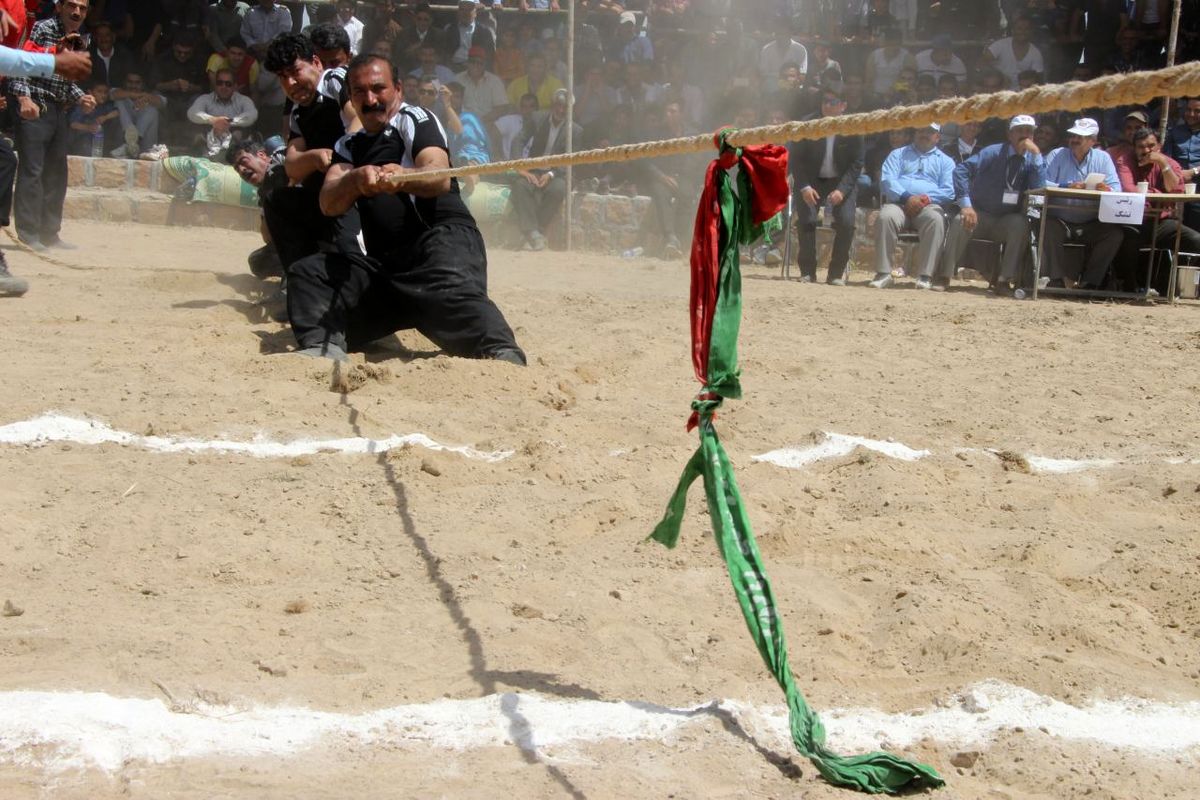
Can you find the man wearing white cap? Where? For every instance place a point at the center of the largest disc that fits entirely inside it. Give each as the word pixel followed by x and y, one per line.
pixel 914 183
pixel 629 44
pixel 988 187
pixel 1069 167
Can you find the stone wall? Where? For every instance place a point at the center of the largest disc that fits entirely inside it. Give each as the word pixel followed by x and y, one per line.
pixel 121 190
pixel 611 223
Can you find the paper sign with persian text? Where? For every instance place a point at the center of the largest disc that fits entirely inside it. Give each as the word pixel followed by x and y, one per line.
pixel 1122 208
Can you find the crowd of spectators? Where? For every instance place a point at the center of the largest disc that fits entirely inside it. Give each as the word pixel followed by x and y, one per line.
pixel 185 76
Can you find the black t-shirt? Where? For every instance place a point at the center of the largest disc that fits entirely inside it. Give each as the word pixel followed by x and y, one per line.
pixel 390 221
pixel 320 122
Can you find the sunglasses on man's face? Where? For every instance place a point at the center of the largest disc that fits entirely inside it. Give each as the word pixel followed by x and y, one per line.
pixel 224 83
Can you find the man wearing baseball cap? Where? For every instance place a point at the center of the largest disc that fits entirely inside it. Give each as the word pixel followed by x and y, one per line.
pixel 913 184
pixel 1077 219
pixel 1122 152
pixel 989 187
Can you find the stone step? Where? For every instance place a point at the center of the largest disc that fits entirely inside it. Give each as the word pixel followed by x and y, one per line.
pixel 149 207
pixel 118 173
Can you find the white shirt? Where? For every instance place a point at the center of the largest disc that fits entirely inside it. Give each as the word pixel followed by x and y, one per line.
pixel 927 66
pixel 239 108
pixel 772 57
pixel 353 29
pixel 1007 63
pixel 887 70
pixel 480 98
pixel 828 168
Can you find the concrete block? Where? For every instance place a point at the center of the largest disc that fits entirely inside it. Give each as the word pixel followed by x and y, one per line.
pixel 79 205
pixel 142 172
pixel 618 211
pixel 233 217
pixel 154 211
pixel 110 173
pixel 116 208
pixel 589 209
pixel 77 171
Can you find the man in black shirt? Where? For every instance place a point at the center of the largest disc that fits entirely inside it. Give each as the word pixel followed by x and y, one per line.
pixel 426 266
pixel 321 114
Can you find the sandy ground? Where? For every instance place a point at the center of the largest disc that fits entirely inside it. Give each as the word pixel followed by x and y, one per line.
pixel 426 575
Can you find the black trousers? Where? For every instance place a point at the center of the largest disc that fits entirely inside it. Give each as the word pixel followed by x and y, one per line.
pixel 42 173
pixel 298 228
pixel 8 171
pixel 437 286
pixel 843 230
pixel 1131 265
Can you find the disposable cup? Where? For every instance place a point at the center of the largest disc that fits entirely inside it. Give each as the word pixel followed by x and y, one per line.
pixel 1189 188
pixel 1143 187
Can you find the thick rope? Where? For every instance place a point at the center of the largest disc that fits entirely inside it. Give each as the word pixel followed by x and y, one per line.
pixel 1107 92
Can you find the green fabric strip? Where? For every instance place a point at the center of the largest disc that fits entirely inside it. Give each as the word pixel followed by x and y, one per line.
pixel 873 773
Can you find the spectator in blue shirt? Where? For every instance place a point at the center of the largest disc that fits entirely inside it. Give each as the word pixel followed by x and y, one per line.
pixel 629 45
pixel 988 186
pixel 1069 167
pixel 1183 145
pixel 914 183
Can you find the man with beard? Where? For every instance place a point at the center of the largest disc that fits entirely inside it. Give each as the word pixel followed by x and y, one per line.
pixel 43 134
pixel 321 114
pixel 426 266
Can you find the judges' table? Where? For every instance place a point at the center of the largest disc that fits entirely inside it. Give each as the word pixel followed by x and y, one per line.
pixel 1154 203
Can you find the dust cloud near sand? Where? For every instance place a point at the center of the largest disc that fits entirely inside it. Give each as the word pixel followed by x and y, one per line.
pixel 354 582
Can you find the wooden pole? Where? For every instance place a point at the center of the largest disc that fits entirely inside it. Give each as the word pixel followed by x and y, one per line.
pixel 1171 43
pixel 571 120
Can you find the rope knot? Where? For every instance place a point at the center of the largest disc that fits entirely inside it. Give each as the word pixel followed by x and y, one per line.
pixel 704 408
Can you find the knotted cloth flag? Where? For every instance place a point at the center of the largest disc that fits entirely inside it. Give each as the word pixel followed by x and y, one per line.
pixel 726 219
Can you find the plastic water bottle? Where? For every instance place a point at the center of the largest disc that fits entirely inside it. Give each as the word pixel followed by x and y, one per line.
pixel 98 144
pixel 635 252
pixel 1019 293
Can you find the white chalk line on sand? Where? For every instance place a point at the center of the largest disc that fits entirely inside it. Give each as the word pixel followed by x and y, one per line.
pixel 838 445
pixel 55 427
pixel 61 428
pixel 79 730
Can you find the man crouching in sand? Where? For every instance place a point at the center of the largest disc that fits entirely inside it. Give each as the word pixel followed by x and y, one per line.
pixel 426 265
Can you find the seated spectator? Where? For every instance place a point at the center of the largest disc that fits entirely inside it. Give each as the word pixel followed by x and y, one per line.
pixel 854 92
pixel 1183 145
pixel 469 140
pixel 1122 152
pixel 879 148
pixel 515 130
pixel 97 132
pixel 966 144
pixel 219 113
pixel 176 19
pixel 466 33
pixel 636 91
pixel 939 60
pixel 271 102
pixel 989 188
pixel 428 66
pixel 178 77
pixel 538 198
pixel 947 86
pixel 1015 54
pixel 595 100
pixel 139 115
pixel 628 44
pixel 415 36
pixel 223 23
pixel 238 59
pixel 332 44
pixel 1131 55
pixel 825 175
pixel 885 64
pixel 820 59
pixel 1029 78
pixel 483 92
pixel 671 183
pixel 1068 167
pixel 914 183
pixel 1046 137
pixel 926 89
pixel 1162 175
pixel 536 81
pixel 351 24
pixel 509 59
pixel 110 62
pixel 783 49
pixel 429 93
pixel 555 64
pixel 262 23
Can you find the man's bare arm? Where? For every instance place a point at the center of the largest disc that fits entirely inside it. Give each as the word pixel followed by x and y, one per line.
pixel 302 162
pixel 431 158
pixel 341 189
